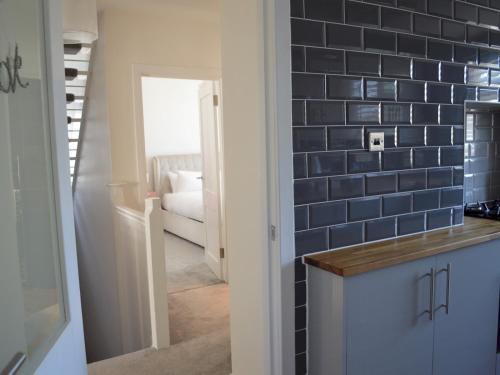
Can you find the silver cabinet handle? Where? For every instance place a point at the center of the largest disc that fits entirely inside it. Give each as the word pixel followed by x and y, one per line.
pixel 446 305
pixel 432 293
pixel 14 365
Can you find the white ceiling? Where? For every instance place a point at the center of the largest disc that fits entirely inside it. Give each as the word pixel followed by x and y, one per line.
pixel 209 5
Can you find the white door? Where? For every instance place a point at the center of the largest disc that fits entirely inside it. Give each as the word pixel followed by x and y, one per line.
pixel 211 175
pixel 40 318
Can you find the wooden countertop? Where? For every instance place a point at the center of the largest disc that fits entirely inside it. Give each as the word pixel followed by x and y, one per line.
pixel 364 258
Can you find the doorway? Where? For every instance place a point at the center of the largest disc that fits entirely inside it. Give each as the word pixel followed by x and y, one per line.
pixel 183 154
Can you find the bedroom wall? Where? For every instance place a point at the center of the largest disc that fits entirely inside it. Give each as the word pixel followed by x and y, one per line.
pixel 171 117
pixel 169 34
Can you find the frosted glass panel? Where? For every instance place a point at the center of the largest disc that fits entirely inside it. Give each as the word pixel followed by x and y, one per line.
pixel 29 243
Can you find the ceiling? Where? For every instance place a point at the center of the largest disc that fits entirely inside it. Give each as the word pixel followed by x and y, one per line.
pixel 209 5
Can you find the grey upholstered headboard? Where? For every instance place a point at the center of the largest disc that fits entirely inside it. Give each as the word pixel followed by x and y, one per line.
pixel 172 163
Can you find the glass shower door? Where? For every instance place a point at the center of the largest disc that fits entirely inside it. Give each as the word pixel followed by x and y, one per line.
pixel 32 308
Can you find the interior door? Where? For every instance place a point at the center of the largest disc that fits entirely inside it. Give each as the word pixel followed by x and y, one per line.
pixel 465 338
pixel 34 307
pixel 211 177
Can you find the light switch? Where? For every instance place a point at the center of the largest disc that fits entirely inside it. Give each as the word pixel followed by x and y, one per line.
pixel 376 141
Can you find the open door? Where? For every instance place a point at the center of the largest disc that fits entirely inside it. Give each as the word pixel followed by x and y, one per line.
pixel 211 176
pixel 40 315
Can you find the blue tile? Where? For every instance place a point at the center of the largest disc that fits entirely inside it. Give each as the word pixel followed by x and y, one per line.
pixel 300 293
pixel 477 76
pixel 380 183
pixel 311 241
pixel 458 216
pixel 301 364
pixel 425 114
pixel 452 197
pixel 409 91
pixel 380 229
pixel 488 57
pixel 441 7
pixel 426 25
pixel 307 32
pixel 310 191
pixel 426 70
pixel 439 177
pixel 409 224
pixel 298 113
pixel 458 176
pixel 465 54
pixel 380 89
pixel 396 113
pixel 398 20
pixel 346 235
pixel 306 139
pixel 426 157
pixel 299 166
pixel 411 136
pixel 297 8
pixel 363 113
pixel 308 86
pixel 488 17
pixel 393 66
pixel 363 63
pixel 345 138
pixel 451 114
pixel 298 59
pixel 437 93
pixel 343 36
pixel 362 14
pixel 439 50
pixel 325 214
pixel 341 87
pixel 452 156
pixel 425 200
pixel 300 270
pixel 328 10
pixel 346 187
pixel 363 209
pixel 411 46
pixel 300 318
pixel 478 35
pixel 396 160
pixel 465 12
pixel 439 135
pixel 325 113
pixel 301 217
pixel 326 163
pixel 363 161
pixel 380 41
pixel 452 73
pixel 319 60
pixel 453 31
pixel 412 180
pixel 396 204
pixel 417 5
pixel 438 219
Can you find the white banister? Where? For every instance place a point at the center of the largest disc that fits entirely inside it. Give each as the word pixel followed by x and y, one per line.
pixel 157 277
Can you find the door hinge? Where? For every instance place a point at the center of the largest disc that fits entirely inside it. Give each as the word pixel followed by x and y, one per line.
pixel 273 233
pixel 222 253
pixel 216 100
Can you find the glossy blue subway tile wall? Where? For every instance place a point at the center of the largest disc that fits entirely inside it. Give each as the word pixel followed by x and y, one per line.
pixel 403 67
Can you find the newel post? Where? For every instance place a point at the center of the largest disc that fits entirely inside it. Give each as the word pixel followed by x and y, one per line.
pixel 157 277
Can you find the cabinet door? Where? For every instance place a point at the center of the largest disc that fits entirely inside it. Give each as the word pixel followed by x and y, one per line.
pixel 389 331
pixel 465 339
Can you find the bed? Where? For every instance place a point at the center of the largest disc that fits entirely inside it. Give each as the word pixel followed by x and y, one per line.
pixel 183 213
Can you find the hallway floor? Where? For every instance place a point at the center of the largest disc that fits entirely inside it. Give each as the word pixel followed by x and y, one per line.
pixel 199 322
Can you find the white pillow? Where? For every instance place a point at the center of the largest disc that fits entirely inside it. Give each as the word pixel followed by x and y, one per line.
pixel 172 176
pixel 188 181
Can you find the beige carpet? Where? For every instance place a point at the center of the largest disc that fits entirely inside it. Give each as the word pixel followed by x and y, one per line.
pixel 198 312
pixel 206 355
pixel 186 267
pixel 199 322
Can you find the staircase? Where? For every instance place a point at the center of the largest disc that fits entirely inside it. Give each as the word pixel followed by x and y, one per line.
pixel 77 65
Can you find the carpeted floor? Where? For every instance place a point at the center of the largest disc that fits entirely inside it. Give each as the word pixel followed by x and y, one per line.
pixel 186 267
pixel 199 322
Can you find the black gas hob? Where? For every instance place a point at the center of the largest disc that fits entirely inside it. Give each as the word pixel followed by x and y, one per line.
pixel 487 210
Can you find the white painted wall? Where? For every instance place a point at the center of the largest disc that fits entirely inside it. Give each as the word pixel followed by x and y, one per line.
pixel 173 34
pixel 94 224
pixel 171 117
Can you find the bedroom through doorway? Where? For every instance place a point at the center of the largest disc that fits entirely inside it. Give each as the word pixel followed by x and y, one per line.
pixel 183 155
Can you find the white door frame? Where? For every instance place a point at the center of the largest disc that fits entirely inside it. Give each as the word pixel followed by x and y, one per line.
pixel 269 345
pixel 67 355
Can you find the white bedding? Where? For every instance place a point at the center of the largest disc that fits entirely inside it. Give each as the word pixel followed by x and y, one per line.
pixel 188 204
